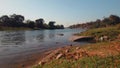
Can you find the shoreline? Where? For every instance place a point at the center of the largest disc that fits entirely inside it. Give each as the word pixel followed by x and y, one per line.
pixel 66 52
pixel 23 60
pixel 76 52
pixel 18 60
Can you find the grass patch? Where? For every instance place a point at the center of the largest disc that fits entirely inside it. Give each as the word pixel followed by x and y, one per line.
pixel 96 46
pixel 107 53
pixel 86 62
pixel 98 62
pixel 111 32
pixel 109 61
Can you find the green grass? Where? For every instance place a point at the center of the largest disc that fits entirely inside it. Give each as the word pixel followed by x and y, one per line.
pixel 111 32
pixel 108 61
pixel 96 46
pixel 98 62
pixel 86 62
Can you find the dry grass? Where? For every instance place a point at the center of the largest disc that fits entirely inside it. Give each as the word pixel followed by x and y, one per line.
pixel 104 54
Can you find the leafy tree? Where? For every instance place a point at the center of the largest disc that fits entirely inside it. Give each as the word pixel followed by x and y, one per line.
pixel 46 26
pixel 59 27
pixel 114 19
pixel 4 20
pixel 98 21
pixel 18 21
pixel 39 23
pixel 31 24
pixel 18 18
pixel 107 21
pixel 51 24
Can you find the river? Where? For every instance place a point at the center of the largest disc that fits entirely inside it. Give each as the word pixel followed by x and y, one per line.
pixel 21 46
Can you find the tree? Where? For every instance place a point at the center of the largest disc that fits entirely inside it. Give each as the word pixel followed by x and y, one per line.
pixel 46 26
pixel 16 20
pixel 39 23
pixel 114 19
pixel 4 20
pixel 59 27
pixel 97 23
pixel 51 24
pixel 30 24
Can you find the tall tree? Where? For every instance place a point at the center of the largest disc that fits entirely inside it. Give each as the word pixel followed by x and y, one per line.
pixel 30 24
pixel 114 19
pixel 17 20
pixel 5 20
pixel 39 23
pixel 51 24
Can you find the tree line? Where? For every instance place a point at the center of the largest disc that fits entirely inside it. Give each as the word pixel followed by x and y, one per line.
pixel 19 21
pixel 107 21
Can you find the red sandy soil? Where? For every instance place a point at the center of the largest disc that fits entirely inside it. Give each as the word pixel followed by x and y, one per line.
pixel 77 52
pixel 71 52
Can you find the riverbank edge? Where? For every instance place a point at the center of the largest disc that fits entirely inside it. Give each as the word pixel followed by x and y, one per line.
pixel 102 50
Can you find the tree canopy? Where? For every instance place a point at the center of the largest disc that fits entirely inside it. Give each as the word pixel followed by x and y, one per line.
pixel 107 21
pixel 19 21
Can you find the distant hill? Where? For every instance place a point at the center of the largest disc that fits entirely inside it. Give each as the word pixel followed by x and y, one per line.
pixel 107 21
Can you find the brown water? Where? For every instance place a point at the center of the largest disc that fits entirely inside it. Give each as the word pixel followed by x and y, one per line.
pixel 19 47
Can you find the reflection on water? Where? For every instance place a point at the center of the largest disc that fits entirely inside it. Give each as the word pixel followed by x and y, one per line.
pixel 35 37
pixel 12 38
pixel 40 37
pixel 52 34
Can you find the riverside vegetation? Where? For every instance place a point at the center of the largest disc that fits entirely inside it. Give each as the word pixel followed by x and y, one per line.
pixel 18 22
pixel 101 54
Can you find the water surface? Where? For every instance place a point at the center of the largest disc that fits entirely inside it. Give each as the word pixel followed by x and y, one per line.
pixel 17 44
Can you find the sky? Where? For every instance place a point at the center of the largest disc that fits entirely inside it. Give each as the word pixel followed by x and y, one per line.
pixel 66 12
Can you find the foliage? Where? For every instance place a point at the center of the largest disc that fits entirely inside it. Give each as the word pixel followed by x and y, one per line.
pixel 86 62
pixel 106 60
pixel 107 21
pixel 39 23
pixel 51 24
pixel 111 32
pixel 30 24
pixel 15 20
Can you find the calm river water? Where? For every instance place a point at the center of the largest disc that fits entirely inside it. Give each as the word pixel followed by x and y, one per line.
pixel 17 44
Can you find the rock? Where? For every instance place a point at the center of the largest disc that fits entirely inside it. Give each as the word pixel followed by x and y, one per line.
pixel 61 34
pixel 105 38
pixel 70 56
pixel 77 48
pixel 118 36
pixel 41 63
pixel 67 51
pixel 76 57
pixel 59 56
pixel 81 55
pixel 71 45
pixel 57 42
pixel 81 38
pixel 23 65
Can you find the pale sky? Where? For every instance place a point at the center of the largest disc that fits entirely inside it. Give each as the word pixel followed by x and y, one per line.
pixel 66 12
